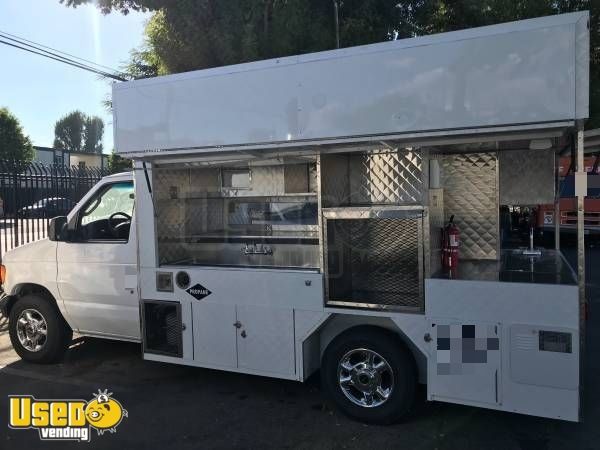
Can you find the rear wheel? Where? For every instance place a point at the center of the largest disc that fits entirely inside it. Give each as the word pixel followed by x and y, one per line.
pixel 38 332
pixel 369 375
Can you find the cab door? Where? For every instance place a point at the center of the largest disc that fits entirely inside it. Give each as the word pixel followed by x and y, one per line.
pixel 97 270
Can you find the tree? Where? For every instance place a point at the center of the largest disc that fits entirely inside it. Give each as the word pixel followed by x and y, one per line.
pixel 196 34
pixel 68 132
pixel 118 164
pixel 93 130
pixel 14 145
pixel 78 132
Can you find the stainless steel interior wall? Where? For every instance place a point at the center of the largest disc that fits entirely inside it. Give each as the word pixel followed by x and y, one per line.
pixel 526 177
pixel 335 181
pixel 470 183
pixel 184 205
pixel 381 177
pixel 386 177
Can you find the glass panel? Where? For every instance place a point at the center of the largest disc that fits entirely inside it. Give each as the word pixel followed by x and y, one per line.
pixel 117 198
pixel 108 215
pixel 237 179
pixel 236 216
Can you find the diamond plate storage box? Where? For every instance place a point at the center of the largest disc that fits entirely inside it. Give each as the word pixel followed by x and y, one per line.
pixel 374 257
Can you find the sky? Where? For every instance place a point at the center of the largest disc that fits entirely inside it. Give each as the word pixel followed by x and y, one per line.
pixel 38 90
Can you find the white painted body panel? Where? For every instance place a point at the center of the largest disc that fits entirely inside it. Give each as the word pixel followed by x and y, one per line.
pixel 530 381
pixel 97 282
pixel 94 282
pixel 33 263
pixel 515 73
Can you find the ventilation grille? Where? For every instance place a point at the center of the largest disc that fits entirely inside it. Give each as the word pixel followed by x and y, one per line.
pixel 162 328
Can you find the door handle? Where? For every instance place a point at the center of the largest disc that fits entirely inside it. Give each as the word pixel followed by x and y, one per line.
pixel 427 337
pixel 237 324
pixel 243 333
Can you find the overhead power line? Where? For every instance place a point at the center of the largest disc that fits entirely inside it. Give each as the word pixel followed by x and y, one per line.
pixel 36 44
pixel 74 64
pixel 57 55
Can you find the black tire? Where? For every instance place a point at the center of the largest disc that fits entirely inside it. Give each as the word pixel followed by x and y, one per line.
pixel 58 333
pixel 400 361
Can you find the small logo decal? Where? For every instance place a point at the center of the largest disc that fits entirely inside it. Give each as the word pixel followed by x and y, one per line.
pixel 198 291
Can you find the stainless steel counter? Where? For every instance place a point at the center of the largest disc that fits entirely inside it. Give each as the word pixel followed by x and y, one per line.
pixel 549 268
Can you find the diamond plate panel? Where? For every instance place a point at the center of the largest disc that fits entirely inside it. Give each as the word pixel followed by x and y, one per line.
pixel 375 262
pixel 386 177
pixel 526 177
pixel 470 193
pixel 185 205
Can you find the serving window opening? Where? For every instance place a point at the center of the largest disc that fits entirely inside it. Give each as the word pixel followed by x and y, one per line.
pixel 256 214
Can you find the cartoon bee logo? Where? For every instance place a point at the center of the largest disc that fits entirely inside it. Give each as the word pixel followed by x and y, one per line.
pixel 104 413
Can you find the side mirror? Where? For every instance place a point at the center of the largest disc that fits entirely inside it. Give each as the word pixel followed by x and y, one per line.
pixel 57 228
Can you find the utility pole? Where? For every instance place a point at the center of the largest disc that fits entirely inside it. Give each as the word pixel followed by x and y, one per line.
pixel 337 23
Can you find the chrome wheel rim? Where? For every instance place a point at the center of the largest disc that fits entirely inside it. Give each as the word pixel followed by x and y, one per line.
pixel 365 378
pixel 32 330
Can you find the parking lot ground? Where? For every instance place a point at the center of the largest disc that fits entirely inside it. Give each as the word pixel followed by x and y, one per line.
pixel 178 407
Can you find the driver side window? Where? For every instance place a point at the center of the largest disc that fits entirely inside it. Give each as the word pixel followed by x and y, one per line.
pixel 107 216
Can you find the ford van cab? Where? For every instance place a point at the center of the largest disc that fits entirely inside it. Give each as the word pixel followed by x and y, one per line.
pixel 82 278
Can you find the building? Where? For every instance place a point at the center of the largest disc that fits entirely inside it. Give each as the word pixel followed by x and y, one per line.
pixel 49 155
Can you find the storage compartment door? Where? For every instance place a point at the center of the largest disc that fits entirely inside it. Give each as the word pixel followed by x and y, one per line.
pixel 214 334
pixel 266 339
pixel 464 362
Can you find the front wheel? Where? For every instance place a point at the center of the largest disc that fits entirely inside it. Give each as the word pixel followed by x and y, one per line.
pixel 369 375
pixel 38 332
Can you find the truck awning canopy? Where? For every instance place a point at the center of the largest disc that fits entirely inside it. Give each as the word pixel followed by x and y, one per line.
pixel 526 75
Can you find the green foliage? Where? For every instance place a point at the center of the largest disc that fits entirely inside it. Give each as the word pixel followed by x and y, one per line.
pixel 93 130
pixel 68 132
pixel 14 145
pixel 187 35
pixel 118 164
pixel 78 132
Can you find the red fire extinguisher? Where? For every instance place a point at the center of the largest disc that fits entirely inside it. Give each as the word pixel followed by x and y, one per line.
pixel 450 243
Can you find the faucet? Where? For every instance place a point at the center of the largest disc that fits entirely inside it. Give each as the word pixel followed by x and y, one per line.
pixel 531 251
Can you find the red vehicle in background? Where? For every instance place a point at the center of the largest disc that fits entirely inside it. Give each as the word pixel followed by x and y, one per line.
pixel 568 202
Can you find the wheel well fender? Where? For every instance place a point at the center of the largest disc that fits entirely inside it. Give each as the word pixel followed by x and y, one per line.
pixel 341 323
pixel 22 289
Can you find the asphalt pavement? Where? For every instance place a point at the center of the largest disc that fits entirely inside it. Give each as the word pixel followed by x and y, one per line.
pixel 178 407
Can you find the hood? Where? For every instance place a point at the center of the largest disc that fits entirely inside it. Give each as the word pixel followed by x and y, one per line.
pixel 42 250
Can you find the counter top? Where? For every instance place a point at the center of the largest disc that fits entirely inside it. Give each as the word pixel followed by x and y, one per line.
pixel 548 268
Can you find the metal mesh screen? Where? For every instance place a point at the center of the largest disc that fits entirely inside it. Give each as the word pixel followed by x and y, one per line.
pixel 375 262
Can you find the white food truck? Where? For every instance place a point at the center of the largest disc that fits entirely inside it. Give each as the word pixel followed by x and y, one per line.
pixel 288 218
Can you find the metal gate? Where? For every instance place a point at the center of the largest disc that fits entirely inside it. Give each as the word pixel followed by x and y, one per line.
pixel 31 194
